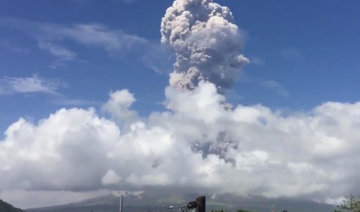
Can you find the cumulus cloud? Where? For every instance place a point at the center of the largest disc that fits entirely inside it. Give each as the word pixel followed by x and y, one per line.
pixel 110 178
pixel 119 105
pixel 206 41
pixel 34 84
pixel 196 144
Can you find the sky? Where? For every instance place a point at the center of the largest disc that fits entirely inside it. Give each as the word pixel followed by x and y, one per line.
pixel 249 92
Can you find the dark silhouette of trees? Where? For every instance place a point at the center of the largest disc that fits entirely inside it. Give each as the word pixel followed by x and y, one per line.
pixel 350 204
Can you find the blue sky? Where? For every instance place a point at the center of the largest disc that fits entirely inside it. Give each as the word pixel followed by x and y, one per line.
pixel 75 53
pixel 303 54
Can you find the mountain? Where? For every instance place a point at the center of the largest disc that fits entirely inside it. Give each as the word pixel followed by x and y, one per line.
pixel 6 207
pixel 151 201
pixel 108 203
pixel 268 204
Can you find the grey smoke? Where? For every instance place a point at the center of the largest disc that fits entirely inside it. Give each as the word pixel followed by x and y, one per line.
pixel 206 42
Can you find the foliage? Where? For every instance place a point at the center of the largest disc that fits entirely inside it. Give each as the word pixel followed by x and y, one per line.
pixel 350 204
pixel 241 210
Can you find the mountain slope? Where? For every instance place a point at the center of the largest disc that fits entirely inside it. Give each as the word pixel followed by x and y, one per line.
pixel 149 201
pixel 6 207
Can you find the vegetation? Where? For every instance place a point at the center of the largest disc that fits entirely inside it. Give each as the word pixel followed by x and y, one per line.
pixel 350 204
pixel 239 210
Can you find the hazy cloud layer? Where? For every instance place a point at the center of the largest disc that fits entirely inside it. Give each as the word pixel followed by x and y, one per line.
pixel 34 84
pixel 196 144
pixel 51 37
pixel 206 42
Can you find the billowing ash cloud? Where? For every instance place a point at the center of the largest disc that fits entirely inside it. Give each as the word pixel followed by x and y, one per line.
pixel 196 144
pixel 206 42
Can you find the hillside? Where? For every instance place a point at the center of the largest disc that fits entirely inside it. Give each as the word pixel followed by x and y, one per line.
pixel 6 207
pixel 159 202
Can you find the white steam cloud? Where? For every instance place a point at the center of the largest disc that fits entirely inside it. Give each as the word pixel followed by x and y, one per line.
pixel 206 42
pixel 196 144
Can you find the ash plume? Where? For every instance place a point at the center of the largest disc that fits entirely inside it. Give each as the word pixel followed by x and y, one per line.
pixel 206 42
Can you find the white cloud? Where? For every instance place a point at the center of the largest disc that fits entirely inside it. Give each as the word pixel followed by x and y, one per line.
pixel 197 144
pixel 10 85
pixel 51 37
pixel 119 106
pixel 110 178
pixel 35 84
pixel 58 51
pixel 93 34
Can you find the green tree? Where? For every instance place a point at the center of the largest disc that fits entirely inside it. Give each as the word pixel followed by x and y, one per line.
pixel 350 204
